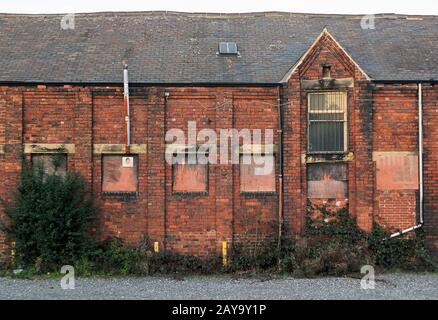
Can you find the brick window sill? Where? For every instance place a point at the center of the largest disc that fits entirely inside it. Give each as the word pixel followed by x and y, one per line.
pixel 257 194
pixel 190 193
pixel 125 195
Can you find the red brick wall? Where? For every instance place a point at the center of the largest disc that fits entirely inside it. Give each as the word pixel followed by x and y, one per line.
pixel 49 116
pixel 293 168
pixel 395 118
pixel 120 216
pixel 191 217
pixel 12 105
pixel 430 123
pixel 187 223
pixel 197 224
pixel 360 168
pixel 255 214
pixel 395 129
pixel 3 104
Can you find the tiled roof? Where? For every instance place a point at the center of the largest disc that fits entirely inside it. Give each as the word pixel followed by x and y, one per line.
pixel 171 47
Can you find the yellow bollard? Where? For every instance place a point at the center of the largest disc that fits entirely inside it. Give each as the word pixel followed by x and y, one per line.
pixel 13 253
pixel 156 247
pixel 224 253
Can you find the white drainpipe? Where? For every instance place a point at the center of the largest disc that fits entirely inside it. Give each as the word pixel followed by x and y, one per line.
pixel 420 164
pixel 127 106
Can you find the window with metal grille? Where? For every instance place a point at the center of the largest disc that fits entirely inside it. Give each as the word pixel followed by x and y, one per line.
pixel 327 122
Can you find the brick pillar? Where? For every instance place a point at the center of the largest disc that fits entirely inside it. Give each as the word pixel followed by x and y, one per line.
pixel 362 116
pixel 224 174
pixel 12 106
pixel 3 106
pixel 430 140
pixel 83 138
pixel 156 174
pixel 294 195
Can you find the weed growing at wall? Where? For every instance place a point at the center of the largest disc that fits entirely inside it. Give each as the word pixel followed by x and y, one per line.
pixel 407 253
pixel 114 257
pixel 337 247
pixel 340 246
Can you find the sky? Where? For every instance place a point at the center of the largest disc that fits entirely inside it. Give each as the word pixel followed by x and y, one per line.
pixel 305 6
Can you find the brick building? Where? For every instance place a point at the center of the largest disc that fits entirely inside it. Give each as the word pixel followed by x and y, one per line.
pixel 344 103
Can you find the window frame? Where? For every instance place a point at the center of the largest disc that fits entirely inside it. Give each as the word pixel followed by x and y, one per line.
pixel 229 45
pixel 345 120
pixel 137 171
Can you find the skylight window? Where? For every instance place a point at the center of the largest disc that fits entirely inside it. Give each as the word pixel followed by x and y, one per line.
pixel 228 48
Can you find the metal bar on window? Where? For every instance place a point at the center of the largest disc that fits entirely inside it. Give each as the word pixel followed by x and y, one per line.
pixel 327 122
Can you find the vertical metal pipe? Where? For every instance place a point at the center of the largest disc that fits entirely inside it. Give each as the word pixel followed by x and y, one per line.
pixel 420 148
pixel 127 107
pixel 280 170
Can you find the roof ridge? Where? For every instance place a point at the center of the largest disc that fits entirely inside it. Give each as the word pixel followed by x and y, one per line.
pixel 218 14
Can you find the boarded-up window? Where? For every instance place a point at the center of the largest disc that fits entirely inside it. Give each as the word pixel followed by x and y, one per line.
pixel 327 114
pixel 256 176
pixel 188 177
pixel 327 180
pixel 51 163
pixel 397 172
pixel 119 173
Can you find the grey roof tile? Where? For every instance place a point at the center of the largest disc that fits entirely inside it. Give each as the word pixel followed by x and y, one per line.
pixel 170 47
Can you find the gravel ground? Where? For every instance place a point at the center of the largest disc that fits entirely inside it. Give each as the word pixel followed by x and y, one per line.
pixel 393 286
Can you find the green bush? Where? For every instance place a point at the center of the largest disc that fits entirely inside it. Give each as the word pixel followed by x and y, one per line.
pixel 48 218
